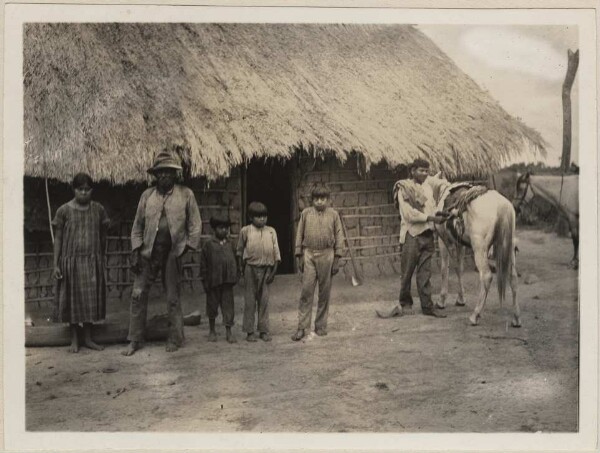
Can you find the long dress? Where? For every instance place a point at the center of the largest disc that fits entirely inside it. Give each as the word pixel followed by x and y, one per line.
pixel 80 294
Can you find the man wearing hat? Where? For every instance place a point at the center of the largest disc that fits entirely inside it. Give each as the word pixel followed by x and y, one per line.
pixel 167 224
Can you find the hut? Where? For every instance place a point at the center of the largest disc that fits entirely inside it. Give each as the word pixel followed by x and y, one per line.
pixel 258 112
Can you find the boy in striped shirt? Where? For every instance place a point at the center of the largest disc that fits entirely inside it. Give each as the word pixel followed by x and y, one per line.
pixel 319 242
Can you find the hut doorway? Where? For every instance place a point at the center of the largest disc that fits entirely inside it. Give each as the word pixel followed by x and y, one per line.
pixel 270 182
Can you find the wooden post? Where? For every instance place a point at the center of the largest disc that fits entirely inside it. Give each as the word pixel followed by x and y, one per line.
pixel 243 194
pixel 295 181
pixel 573 63
pixel 49 211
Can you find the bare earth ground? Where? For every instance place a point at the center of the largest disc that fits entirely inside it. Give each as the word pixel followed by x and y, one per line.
pixel 414 374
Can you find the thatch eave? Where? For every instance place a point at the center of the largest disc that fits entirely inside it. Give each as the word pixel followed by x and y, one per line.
pixel 104 98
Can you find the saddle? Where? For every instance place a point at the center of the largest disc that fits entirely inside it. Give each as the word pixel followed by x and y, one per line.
pixel 456 203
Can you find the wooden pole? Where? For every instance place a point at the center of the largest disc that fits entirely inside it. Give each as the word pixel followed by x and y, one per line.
pixel 356 278
pixel 294 208
pixel 573 63
pixel 49 212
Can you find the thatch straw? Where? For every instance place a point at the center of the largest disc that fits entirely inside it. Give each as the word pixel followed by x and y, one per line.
pixel 104 98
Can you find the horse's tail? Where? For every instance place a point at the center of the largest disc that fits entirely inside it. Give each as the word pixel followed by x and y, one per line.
pixel 504 247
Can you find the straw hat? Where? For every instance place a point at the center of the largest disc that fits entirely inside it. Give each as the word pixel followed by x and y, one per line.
pixel 165 160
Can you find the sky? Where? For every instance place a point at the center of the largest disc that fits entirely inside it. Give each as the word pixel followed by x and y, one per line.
pixel 523 67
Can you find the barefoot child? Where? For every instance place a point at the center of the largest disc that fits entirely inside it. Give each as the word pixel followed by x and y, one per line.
pixel 258 258
pixel 218 271
pixel 319 242
pixel 80 236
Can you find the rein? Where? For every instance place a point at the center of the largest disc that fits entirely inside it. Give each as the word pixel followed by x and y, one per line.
pixel 521 200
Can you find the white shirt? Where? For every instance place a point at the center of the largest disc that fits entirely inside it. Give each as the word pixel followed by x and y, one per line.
pixel 258 246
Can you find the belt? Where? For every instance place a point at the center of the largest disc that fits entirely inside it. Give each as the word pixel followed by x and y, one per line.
pixel 259 265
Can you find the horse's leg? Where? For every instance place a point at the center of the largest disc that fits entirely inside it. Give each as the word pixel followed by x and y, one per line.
pixel 485 278
pixel 460 255
pixel 444 264
pixel 514 281
pixel 574 227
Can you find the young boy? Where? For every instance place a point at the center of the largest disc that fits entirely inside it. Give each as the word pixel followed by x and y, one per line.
pixel 218 271
pixel 258 258
pixel 319 242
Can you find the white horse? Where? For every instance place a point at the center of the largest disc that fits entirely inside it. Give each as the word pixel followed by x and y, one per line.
pixel 560 191
pixel 485 222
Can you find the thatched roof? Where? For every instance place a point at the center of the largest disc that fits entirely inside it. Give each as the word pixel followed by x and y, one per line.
pixel 104 98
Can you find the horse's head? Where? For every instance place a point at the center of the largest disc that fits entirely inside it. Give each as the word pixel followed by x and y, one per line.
pixel 437 183
pixel 521 190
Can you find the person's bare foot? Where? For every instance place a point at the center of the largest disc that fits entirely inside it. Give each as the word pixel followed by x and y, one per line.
pixel 230 337
pixel 87 338
pixel 133 346
pixel 90 344
pixel 251 337
pixel 265 336
pixel 74 346
pixel 212 337
pixel 74 339
pixel 171 347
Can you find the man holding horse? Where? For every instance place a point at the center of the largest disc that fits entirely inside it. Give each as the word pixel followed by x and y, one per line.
pixel 417 210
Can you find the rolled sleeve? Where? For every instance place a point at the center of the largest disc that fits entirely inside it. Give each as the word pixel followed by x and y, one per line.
pixel 276 252
pixel 241 244
pixel 300 235
pixel 59 218
pixel 339 235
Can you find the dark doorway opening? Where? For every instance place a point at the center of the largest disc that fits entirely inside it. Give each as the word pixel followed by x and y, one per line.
pixel 270 182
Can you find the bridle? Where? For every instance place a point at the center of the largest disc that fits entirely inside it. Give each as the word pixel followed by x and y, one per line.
pixel 524 178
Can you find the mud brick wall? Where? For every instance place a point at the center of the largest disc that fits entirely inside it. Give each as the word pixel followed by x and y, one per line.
pixel 223 196
pixel 121 203
pixel 365 203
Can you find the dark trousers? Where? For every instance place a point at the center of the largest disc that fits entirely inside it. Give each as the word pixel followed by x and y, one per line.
pixel 417 254
pixel 161 258
pixel 317 268
pixel 256 297
pixel 220 296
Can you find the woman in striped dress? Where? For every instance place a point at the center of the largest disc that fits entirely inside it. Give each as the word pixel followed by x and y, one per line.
pixel 80 295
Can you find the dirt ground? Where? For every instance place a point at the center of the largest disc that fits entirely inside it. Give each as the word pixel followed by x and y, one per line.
pixel 414 374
